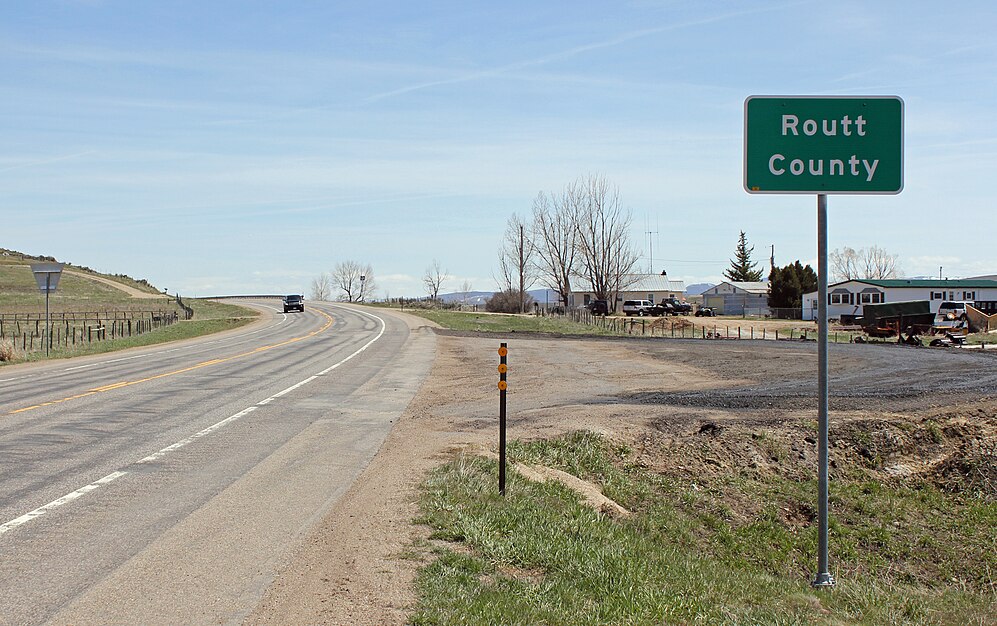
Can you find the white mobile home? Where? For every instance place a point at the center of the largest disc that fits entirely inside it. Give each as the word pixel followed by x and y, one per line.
pixel 845 299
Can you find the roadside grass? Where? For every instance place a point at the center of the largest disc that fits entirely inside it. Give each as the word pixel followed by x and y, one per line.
pixel 209 317
pixel 620 326
pixel 976 339
pixel 502 323
pixel 735 550
pixel 972 339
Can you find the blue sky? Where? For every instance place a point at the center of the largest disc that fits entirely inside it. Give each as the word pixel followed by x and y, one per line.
pixel 227 147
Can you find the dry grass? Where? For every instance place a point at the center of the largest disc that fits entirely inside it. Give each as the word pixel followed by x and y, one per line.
pixel 7 352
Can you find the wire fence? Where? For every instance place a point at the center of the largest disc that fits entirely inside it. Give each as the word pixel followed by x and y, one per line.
pixel 27 331
pixel 707 328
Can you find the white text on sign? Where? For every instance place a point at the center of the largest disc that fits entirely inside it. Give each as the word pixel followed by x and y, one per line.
pixel 815 167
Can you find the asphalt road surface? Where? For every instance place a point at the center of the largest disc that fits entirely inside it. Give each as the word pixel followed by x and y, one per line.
pixel 168 484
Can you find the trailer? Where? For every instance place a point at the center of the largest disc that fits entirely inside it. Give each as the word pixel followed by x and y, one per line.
pixel 890 319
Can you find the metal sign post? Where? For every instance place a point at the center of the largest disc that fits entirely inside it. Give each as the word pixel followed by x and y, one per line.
pixel 502 385
pixel 821 145
pixel 823 577
pixel 47 277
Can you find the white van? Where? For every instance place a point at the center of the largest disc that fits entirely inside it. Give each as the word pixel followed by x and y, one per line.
pixel 952 315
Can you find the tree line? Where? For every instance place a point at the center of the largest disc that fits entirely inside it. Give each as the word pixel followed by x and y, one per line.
pixel 788 284
pixel 581 234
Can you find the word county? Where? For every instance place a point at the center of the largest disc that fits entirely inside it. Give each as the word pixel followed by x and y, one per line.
pixel 829 128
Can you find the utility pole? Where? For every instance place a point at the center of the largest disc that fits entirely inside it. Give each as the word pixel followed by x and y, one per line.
pixel 522 270
pixel 650 250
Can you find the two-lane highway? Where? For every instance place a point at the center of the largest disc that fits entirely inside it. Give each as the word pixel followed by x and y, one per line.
pixel 165 485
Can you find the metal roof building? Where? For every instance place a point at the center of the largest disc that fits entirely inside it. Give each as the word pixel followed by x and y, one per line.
pixel 653 287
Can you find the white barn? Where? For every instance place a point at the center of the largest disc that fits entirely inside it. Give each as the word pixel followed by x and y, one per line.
pixel 845 299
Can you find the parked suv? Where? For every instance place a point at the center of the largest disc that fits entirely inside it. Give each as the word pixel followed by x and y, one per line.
pixel 599 307
pixel 294 303
pixel 637 307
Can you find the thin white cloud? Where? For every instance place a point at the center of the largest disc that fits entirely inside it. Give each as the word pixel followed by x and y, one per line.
pixel 574 51
pixel 34 163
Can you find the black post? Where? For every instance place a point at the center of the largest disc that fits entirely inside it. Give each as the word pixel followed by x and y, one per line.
pixel 48 321
pixel 503 368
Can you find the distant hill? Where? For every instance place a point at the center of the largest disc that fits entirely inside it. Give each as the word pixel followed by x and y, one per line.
pixel 697 288
pixel 472 297
pixel 479 297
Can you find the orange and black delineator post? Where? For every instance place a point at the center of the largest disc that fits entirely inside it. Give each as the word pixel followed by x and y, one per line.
pixel 502 385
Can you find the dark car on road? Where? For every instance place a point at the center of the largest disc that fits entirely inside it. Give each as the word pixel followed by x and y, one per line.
pixel 294 303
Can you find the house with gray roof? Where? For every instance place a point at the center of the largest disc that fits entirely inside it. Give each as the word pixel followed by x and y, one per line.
pixel 653 287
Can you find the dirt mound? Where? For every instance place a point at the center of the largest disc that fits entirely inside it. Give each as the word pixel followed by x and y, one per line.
pixel 971 469
pixel 947 450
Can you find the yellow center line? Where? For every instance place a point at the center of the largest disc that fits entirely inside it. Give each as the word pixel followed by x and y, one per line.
pixel 129 383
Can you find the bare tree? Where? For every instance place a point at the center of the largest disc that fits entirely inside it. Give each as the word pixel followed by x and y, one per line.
pixel 465 290
pixel 878 263
pixel 872 263
pixel 433 279
pixel 844 263
pixel 603 237
pixel 516 259
pixel 554 234
pixel 354 280
pixel 321 288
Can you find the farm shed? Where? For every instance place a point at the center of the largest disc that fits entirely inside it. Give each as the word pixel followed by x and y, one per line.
pixel 737 298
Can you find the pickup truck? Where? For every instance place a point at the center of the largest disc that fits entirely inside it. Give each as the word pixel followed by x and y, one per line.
pixel 294 303
pixel 678 308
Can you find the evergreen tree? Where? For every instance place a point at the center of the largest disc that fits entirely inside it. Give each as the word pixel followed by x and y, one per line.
pixel 742 269
pixel 788 284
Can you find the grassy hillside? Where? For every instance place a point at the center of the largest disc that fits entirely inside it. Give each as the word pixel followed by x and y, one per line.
pixel 19 293
pixel 120 312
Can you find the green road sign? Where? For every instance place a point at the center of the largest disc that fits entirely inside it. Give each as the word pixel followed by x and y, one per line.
pixel 822 145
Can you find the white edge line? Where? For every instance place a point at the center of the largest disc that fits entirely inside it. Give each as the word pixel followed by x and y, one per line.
pixel 365 346
pixel 69 497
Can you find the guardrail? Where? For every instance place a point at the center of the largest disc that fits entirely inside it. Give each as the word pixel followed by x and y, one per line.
pixel 236 297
